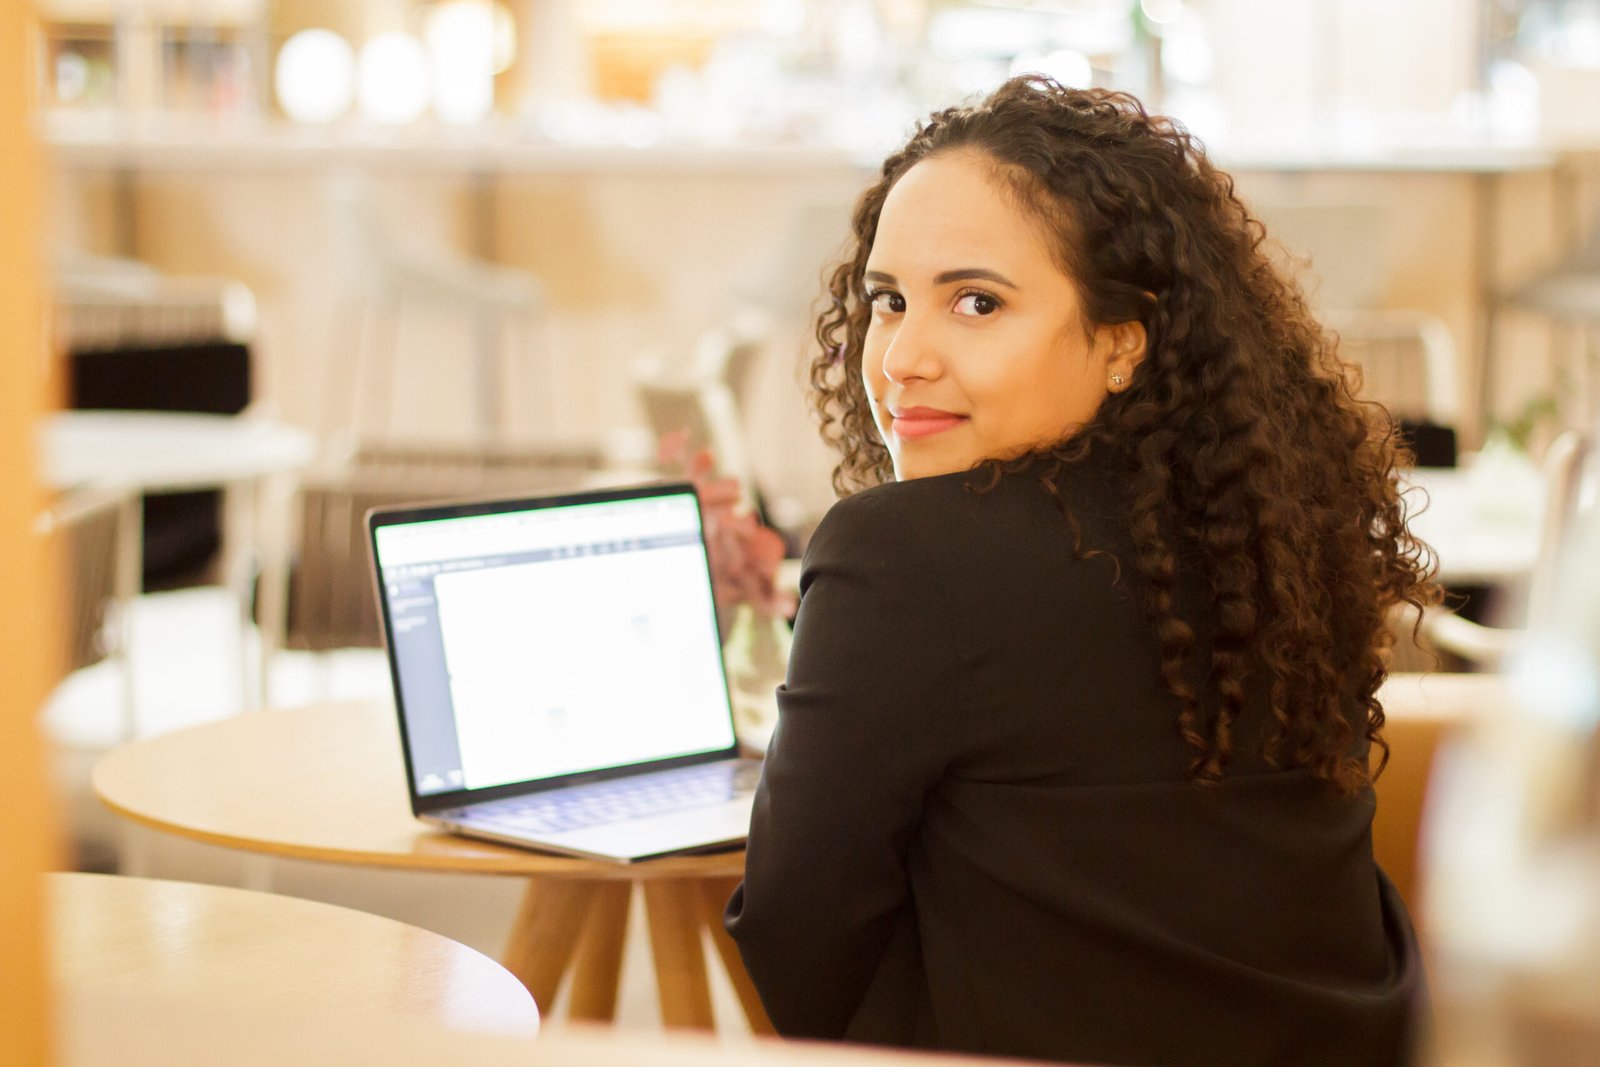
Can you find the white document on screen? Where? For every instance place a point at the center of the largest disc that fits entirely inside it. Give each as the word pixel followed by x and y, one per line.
pixel 580 663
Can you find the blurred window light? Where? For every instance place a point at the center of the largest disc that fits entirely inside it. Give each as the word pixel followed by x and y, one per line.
pixel 1162 12
pixel 857 38
pixel 973 77
pixel 479 24
pixel 1186 53
pixel 315 76
pixel 1556 677
pixel 783 18
pixel 1513 105
pixel 1092 27
pixel 1070 68
pixel 469 41
pixel 1200 112
pixel 393 85
pixel 72 77
pixel 1095 27
pixel 1566 34
pixel 1583 41
pixel 972 31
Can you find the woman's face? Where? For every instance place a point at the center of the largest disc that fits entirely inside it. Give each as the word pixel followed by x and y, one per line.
pixel 977 347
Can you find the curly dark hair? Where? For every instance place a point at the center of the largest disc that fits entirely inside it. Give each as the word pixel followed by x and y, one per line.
pixel 1248 454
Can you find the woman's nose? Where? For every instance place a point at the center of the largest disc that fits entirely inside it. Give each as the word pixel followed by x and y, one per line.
pixel 913 353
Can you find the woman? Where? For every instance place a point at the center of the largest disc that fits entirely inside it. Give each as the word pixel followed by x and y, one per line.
pixel 1073 752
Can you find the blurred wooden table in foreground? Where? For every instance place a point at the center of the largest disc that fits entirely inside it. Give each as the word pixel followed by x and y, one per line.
pixel 214 948
pixel 327 783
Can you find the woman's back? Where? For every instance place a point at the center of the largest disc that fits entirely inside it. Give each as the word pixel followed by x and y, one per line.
pixel 990 836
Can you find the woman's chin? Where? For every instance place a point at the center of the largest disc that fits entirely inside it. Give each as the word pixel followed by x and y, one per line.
pixel 909 467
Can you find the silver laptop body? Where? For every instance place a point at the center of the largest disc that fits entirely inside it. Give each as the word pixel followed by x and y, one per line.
pixel 558 674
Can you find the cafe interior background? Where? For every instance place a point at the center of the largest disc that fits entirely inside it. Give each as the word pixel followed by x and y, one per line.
pixel 398 249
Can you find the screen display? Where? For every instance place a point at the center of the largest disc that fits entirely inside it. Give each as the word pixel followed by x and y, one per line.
pixel 553 641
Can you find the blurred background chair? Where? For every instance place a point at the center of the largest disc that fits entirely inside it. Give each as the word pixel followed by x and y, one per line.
pixel 86 528
pixel 1407 361
pixel 86 525
pixel 140 339
pixel 1569 473
pixel 330 603
pixel 395 276
pixel 707 415
pixel 731 353
pixel 709 404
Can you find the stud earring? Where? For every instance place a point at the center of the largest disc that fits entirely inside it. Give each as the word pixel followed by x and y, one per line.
pixel 1117 379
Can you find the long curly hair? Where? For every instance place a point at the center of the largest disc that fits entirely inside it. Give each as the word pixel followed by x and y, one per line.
pixel 1248 455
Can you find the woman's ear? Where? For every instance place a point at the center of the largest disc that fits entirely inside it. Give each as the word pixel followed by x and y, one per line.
pixel 1124 345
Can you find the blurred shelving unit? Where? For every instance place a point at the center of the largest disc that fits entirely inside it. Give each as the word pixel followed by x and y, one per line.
pixel 128 60
pixel 91 145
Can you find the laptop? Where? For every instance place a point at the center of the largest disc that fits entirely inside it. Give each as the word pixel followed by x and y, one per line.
pixel 558 674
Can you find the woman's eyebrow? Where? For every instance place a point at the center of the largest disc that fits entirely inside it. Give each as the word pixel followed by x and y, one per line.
pixel 966 274
pixel 974 274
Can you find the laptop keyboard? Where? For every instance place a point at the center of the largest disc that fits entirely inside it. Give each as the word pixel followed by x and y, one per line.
pixel 623 798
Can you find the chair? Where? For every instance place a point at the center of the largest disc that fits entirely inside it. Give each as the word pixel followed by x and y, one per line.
pixel 707 414
pixel 88 527
pixel 393 274
pixel 1407 361
pixel 709 401
pixel 96 572
pixel 731 352
pixel 105 304
pixel 330 603
pixel 135 338
pixel 1568 465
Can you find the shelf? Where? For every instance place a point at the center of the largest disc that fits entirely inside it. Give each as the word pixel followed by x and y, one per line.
pixel 89 143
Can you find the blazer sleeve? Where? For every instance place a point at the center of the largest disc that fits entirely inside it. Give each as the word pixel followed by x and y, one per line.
pixel 865 730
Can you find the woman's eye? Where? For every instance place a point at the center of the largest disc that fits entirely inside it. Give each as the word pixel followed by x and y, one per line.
pixel 887 300
pixel 977 304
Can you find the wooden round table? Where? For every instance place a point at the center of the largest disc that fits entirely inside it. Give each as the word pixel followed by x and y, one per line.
pixel 212 946
pixel 327 782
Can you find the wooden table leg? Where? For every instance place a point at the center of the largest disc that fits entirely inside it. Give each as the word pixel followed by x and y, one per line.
pixel 714 894
pixel 673 909
pixel 598 966
pixel 545 936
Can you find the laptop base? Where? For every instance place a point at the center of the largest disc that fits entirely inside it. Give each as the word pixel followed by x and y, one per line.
pixel 673 833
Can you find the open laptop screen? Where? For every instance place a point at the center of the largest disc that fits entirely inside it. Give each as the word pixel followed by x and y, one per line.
pixel 549 641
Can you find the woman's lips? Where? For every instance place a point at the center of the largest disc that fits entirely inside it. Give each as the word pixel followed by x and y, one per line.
pixel 913 423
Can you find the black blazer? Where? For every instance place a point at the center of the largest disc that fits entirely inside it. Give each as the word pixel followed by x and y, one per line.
pixel 976 831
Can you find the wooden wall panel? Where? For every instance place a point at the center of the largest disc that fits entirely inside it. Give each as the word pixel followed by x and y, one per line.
pixel 26 610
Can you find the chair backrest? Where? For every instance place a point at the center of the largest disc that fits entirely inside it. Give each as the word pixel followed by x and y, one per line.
pixel 731 353
pixel 1408 361
pixel 330 599
pixel 1569 473
pixel 87 525
pixel 707 413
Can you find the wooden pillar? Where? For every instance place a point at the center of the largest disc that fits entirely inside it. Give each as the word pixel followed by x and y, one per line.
pixel 28 629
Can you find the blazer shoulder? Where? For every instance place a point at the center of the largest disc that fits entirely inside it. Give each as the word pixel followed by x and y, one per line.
pixel 963 507
pixel 908 496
